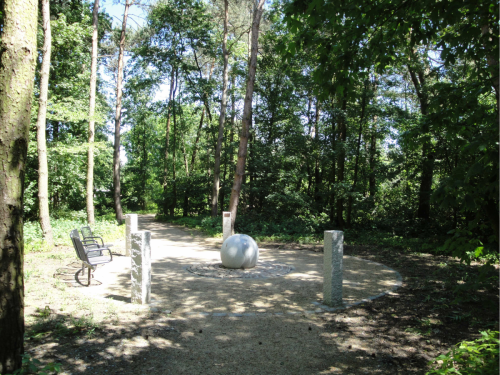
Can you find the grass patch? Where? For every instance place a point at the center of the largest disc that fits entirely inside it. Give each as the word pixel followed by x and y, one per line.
pixel 105 227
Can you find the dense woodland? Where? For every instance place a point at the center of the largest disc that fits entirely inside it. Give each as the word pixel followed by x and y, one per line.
pixel 298 116
pixel 380 116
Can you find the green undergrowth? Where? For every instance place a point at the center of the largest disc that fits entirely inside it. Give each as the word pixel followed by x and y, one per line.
pixel 470 357
pixel 105 226
pixel 301 230
pixel 34 366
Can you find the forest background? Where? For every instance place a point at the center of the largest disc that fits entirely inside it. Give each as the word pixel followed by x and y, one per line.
pixel 376 118
pixel 381 120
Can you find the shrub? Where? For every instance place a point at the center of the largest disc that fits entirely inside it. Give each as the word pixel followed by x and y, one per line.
pixel 470 357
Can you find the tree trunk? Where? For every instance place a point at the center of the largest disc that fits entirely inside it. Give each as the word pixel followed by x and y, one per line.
pixel 186 165
pixel 167 141
pixel 356 163
pixel 197 140
pixel 118 114
pixel 93 80
pixel 43 170
pixel 198 134
pixel 492 62
pixel 229 153
pixel 372 160
pixel 250 164
pixel 341 163
pixel 424 202
pixel 317 175
pixel 333 175
pixel 247 113
pixel 222 117
pixel 18 54
pixel 144 167
pixel 174 183
pixel 185 208
pixel 311 133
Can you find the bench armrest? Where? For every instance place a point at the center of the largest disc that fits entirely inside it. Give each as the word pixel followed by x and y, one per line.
pixel 100 250
pixel 93 238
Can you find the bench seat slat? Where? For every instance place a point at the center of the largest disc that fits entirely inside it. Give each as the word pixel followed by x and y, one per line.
pixel 99 259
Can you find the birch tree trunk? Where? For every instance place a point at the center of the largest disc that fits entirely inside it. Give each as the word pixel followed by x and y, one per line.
pixel 223 105
pixel 93 79
pixel 247 113
pixel 118 114
pixel 43 170
pixel 18 53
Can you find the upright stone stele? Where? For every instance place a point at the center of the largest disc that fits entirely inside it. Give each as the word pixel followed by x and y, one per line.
pixel 141 267
pixel 226 225
pixel 130 226
pixel 332 257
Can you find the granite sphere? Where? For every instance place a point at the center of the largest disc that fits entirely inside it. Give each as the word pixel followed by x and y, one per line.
pixel 239 251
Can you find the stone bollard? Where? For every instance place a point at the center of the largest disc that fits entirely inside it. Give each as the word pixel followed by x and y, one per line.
pixel 332 269
pixel 226 225
pixel 130 226
pixel 141 267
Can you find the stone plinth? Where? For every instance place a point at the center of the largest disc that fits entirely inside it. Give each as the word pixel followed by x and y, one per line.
pixel 141 267
pixel 130 226
pixel 332 258
pixel 239 251
pixel 226 225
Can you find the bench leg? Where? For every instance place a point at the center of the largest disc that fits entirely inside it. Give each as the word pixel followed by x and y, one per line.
pixel 89 278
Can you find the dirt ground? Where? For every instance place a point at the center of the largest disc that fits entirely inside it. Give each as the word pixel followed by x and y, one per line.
pixel 97 330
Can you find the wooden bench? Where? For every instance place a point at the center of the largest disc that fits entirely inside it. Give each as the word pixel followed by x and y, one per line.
pixel 91 254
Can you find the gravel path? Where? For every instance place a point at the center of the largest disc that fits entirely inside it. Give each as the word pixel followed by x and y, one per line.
pixel 175 252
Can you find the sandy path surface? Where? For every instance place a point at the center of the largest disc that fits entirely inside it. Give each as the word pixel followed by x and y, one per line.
pixel 201 325
pixel 173 249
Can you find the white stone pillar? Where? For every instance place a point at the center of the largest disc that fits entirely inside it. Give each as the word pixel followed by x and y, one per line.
pixel 332 269
pixel 141 267
pixel 130 226
pixel 226 225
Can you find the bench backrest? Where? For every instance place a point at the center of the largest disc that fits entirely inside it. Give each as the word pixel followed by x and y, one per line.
pixel 77 243
pixel 86 232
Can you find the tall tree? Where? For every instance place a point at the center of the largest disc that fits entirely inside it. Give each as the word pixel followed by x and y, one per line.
pixel 118 114
pixel 247 115
pixel 222 117
pixel 93 80
pixel 18 55
pixel 43 172
pixel 358 147
pixel 167 141
pixel 419 79
pixel 342 137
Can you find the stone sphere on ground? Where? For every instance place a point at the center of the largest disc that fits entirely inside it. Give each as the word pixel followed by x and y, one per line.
pixel 239 251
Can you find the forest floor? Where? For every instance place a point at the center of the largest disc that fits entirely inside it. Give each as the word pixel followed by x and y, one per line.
pixel 96 330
